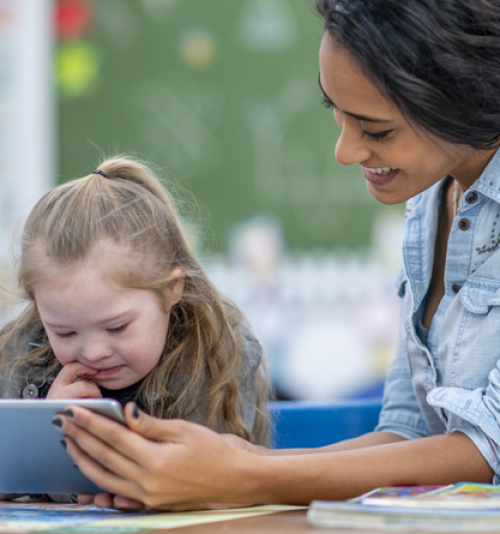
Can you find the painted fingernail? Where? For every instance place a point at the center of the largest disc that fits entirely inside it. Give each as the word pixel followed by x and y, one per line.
pixel 136 413
pixel 57 422
pixel 64 444
pixel 74 465
pixel 69 414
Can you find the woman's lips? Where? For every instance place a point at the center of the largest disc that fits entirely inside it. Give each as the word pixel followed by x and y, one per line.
pixel 379 179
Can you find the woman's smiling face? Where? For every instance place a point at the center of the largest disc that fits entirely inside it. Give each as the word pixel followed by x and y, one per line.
pixel 398 158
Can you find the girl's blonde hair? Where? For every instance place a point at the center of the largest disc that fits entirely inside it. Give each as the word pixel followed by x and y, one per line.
pixel 203 360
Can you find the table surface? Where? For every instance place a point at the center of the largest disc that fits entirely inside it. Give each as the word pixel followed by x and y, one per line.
pixel 292 522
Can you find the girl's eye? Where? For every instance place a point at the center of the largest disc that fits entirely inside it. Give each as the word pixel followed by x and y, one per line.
pixel 375 136
pixel 120 328
pixel 327 103
pixel 65 334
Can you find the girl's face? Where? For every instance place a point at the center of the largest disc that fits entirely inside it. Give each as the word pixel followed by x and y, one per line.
pixel 398 159
pixel 116 330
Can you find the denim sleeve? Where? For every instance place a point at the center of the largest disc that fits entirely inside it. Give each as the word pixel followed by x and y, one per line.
pixel 477 414
pixel 401 413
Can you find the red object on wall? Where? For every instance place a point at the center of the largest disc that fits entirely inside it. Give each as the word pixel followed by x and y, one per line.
pixel 74 18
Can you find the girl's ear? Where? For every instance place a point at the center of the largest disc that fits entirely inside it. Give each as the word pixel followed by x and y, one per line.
pixel 176 286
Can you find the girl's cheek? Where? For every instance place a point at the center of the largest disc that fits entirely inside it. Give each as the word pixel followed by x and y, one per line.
pixel 63 356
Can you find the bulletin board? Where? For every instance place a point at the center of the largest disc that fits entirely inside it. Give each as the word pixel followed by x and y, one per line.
pixel 222 96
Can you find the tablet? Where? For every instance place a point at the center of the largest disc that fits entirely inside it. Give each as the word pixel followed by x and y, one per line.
pixel 32 459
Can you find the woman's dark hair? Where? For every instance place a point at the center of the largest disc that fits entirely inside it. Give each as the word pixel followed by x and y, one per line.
pixel 437 60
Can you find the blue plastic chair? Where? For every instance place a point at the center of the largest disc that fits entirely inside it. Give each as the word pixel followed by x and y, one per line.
pixel 301 424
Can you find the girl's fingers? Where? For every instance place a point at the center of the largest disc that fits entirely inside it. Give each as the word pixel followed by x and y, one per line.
pixel 101 476
pixel 124 503
pixel 81 389
pixel 75 370
pixel 103 500
pixel 86 498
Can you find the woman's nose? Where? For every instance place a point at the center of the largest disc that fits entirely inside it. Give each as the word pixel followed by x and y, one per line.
pixel 351 148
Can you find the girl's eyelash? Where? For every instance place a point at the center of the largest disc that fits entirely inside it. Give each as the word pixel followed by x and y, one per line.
pixel 376 136
pixel 65 334
pixel 120 328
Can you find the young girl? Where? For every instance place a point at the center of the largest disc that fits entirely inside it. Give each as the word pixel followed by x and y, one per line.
pixel 118 307
pixel 415 88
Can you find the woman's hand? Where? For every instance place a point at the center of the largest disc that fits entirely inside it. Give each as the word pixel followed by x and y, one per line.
pixel 74 381
pixel 244 445
pixel 159 463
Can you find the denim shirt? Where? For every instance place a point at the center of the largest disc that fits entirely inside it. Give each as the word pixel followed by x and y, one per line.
pixel 450 381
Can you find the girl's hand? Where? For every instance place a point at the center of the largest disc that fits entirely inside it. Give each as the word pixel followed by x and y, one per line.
pixel 157 462
pixel 107 500
pixel 74 381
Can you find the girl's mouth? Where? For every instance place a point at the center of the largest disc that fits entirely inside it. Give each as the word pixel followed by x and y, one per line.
pixel 110 371
pixel 379 175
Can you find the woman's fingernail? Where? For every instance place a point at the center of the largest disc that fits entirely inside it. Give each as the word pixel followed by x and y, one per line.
pixel 135 412
pixel 69 413
pixel 64 444
pixel 57 422
pixel 74 465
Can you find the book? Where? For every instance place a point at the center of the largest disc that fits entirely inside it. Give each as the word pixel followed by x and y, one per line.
pixel 397 492
pixel 462 507
pixel 458 496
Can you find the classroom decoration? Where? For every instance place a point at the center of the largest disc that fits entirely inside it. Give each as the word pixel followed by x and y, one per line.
pixel 78 59
pixel 223 96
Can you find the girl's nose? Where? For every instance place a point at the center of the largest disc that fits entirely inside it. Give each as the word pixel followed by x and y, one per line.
pixel 94 351
pixel 351 148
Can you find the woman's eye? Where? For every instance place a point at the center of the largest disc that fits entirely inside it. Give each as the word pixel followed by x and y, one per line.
pixel 65 334
pixel 120 328
pixel 375 136
pixel 327 103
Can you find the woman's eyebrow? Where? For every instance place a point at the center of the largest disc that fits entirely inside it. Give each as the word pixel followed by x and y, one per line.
pixel 363 118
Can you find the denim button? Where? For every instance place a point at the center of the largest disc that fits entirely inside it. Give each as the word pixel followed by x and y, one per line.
pixel 463 224
pixel 471 198
pixel 456 288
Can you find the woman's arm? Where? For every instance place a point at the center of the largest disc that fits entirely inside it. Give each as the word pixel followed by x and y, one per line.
pixel 366 440
pixel 161 463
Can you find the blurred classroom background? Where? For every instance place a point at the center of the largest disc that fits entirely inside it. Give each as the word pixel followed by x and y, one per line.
pixel 222 97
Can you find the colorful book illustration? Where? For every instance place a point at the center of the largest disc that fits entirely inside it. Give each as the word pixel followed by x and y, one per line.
pixel 462 507
pixel 459 496
pixel 397 492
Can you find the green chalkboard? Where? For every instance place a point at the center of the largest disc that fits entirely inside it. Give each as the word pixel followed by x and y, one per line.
pixel 222 95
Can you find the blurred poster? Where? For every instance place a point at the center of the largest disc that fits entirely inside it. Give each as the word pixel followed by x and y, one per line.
pixel 26 111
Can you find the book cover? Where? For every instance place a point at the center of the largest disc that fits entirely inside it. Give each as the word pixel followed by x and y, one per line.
pixel 325 514
pixel 458 496
pixel 462 507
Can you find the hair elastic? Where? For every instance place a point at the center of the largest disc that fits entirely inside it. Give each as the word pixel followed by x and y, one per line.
pixel 98 171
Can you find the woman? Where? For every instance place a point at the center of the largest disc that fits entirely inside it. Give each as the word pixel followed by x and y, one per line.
pixel 415 87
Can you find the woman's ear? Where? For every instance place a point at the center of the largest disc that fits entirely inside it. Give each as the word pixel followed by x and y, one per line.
pixel 176 286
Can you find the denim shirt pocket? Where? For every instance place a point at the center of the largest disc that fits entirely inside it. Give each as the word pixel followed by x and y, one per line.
pixel 477 348
pixel 478 297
